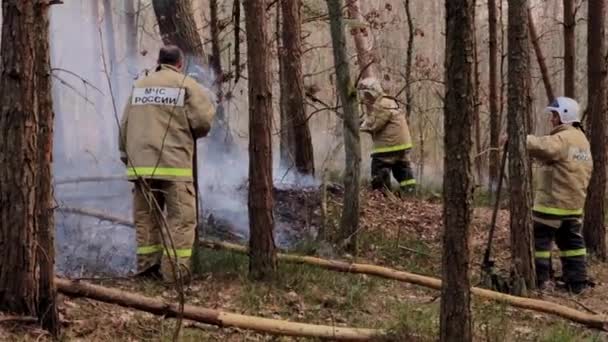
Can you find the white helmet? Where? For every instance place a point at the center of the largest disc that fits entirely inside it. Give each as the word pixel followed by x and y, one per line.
pixel 371 86
pixel 566 108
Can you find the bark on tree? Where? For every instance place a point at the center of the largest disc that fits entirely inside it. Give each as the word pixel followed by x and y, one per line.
pixel 409 96
pixel 132 8
pixel 459 113
pixel 26 205
pixel 262 261
pixel 222 134
pixel 518 112
pixel 365 57
pixel 292 88
pixel 594 228
pixel 494 95
pixel 286 148
pixel 569 46
pixel 349 223
pixel 177 26
pixel 540 58
pixel 477 106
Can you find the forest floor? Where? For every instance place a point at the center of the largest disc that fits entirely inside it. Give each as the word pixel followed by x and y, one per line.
pixel 405 235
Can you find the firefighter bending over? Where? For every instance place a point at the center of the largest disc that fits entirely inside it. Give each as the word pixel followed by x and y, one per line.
pixel 560 196
pixel 166 112
pixel 391 138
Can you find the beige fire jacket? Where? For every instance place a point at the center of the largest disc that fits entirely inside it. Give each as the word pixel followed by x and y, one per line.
pixel 566 169
pixel 388 127
pixel 165 114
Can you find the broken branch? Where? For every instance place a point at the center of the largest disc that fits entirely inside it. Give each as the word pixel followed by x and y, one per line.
pixel 213 317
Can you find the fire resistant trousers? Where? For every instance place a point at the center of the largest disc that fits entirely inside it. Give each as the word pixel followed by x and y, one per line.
pixel 396 162
pixel 178 228
pixel 572 250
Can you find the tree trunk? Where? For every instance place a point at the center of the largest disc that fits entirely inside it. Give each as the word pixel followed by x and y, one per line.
pixel 518 110
pixel 477 106
pixel 540 58
pixel 110 44
pixel 294 88
pixel 365 57
pixel 26 199
pixel 569 46
pixel 459 113
pixel 222 135
pixel 594 228
pixel 494 95
pixel 409 96
pixel 177 26
pixel 132 8
pixel 349 224
pixel 262 262
pixel 286 148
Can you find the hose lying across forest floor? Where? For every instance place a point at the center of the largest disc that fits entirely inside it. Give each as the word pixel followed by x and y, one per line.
pixel 590 320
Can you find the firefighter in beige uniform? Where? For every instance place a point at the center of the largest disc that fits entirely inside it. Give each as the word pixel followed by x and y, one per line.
pixel 166 112
pixel 391 138
pixel 560 196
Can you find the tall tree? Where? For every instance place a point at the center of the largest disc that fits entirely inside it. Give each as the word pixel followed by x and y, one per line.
pixel 594 228
pixel 26 200
pixel 518 94
pixel 540 58
pixel 409 96
pixel 365 57
pixel 459 113
pixel 223 135
pixel 349 224
pixel 262 251
pixel 569 46
pixel 177 26
pixel 494 93
pixel 292 88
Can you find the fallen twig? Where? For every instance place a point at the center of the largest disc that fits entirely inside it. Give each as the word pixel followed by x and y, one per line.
pixel 18 319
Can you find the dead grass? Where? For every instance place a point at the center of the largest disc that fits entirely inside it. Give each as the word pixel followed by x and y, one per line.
pixel 405 235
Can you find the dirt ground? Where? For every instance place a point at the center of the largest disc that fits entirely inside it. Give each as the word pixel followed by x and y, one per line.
pixel 403 234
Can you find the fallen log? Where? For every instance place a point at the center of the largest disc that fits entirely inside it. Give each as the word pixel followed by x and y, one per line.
pixel 594 321
pixel 96 214
pixel 214 317
pixel 591 320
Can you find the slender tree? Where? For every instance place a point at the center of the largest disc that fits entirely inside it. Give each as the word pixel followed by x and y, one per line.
pixel 365 57
pixel 594 227
pixel 292 88
pixel 493 92
pixel 262 251
pixel 540 58
pixel 26 199
pixel 518 95
pixel 569 48
pixel 349 224
pixel 459 113
pixel 411 34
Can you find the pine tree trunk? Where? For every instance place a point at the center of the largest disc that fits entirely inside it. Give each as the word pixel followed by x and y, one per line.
pixel 458 181
pixel 286 148
pixel 409 96
pixel 518 112
pixel 292 87
pixel 349 224
pixel 26 200
pixel 131 9
pixel 494 95
pixel 177 26
pixel 540 58
pixel 222 135
pixel 569 46
pixel 594 228
pixel 262 255
pixel 365 58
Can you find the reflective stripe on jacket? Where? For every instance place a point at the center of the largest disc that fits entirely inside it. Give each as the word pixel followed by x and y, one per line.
pixel 165 114
pixel 388 127
pixel 565 155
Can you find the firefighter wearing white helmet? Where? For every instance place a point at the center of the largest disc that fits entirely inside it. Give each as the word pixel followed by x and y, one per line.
pixel 391 138
pixel 566 161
